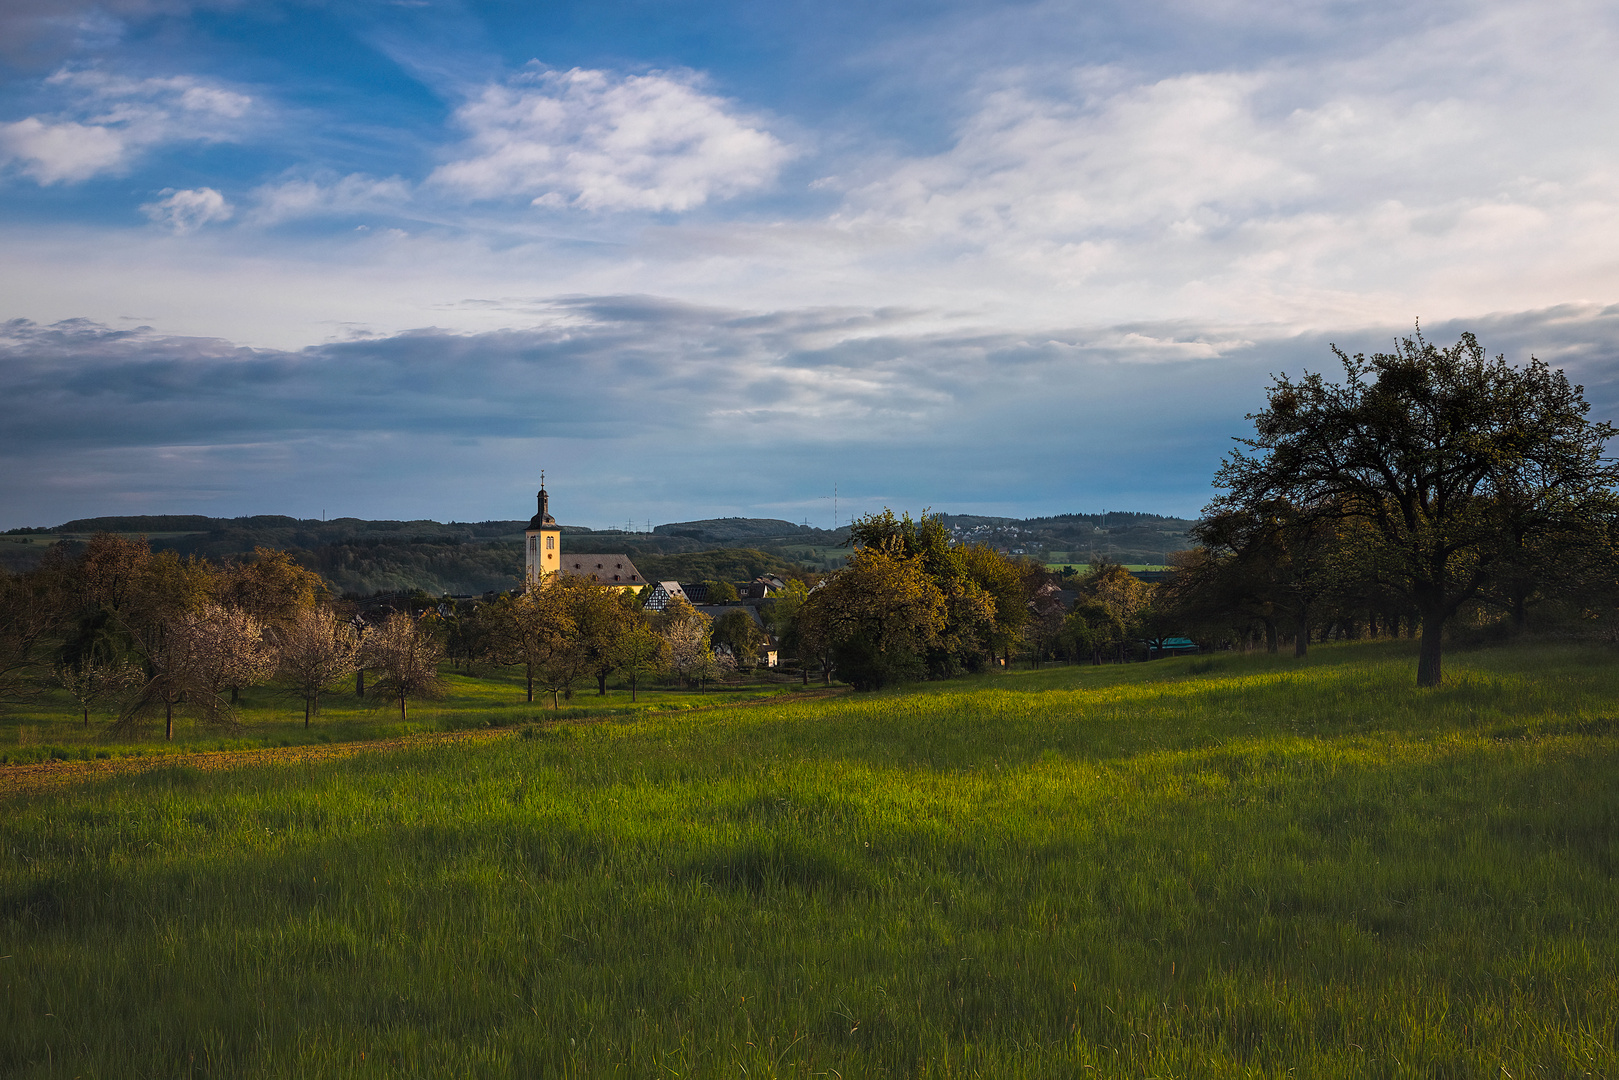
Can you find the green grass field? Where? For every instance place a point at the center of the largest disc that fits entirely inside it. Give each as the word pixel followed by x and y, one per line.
pixel 53 728
pixel 1237 866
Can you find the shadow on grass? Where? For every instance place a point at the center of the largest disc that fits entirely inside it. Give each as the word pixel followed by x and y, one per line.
pixel 1352 691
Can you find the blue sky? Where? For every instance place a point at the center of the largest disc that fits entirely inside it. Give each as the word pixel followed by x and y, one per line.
pixel 390 259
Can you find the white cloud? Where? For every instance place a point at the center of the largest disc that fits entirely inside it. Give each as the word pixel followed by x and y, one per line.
pixel 599 141
pixel 303 197
pixel 108 120
pixel 1449 170
pixel 53 153
pixel 184 211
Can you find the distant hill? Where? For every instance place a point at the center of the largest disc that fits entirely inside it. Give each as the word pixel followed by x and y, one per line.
pixel 726 530
pixel 725 564
pixel 363 557
pixel 1077 538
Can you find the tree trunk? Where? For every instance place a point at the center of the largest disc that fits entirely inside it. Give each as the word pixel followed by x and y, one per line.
pixel 401 705
pixel 1301 640
pixel 307 711
pixel 87 716
pixel 359 683
pixel 601 683
pixel 236 695
pixel 168 720
pixel 1520 609
pixel 531 684
pixel 1272 644
pixel 632 688
pixel 1428 670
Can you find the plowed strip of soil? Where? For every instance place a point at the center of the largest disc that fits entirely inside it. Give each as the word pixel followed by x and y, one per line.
pixel 24 779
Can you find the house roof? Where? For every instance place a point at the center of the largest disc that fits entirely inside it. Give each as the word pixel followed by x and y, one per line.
pixel 607 569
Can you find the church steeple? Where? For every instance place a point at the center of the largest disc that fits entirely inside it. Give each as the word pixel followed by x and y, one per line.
pixel 544 516
pixel 542 541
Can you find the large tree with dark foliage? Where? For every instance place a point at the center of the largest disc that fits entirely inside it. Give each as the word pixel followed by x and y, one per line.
pixel 878 616
pixel 1443 453
pixel 985 595
pixel 1268 561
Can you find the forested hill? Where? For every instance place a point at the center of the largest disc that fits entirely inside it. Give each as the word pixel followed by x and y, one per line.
pixel 1125 537
pixel 363 557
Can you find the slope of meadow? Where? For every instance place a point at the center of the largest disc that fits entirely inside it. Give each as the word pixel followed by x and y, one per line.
pixel 1237 867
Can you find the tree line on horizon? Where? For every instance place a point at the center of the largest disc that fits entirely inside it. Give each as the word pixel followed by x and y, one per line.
pixel 151 635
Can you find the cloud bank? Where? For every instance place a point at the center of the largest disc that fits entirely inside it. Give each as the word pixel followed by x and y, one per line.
pixel 634 400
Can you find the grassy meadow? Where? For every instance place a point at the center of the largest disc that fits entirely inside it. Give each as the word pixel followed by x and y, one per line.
pixel 1230 866
pixel 53 727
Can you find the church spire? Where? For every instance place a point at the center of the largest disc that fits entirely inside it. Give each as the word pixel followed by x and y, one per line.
pixel 543 519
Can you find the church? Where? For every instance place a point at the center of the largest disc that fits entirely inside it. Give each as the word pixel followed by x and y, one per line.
pixel 543 555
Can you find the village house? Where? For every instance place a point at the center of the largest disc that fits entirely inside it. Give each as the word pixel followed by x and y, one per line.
pixel 663 592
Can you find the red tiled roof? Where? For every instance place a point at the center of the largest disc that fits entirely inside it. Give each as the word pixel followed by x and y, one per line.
pixel 608 569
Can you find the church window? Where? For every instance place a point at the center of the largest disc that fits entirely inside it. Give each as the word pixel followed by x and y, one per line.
pixel 533 543
pixel 550 542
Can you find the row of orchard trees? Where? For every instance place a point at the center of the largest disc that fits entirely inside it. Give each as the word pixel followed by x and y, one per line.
pixel 152 635
pixel 156 635
pixel 1430 483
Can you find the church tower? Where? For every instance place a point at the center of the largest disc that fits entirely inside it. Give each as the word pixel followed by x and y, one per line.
pixel 542 542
